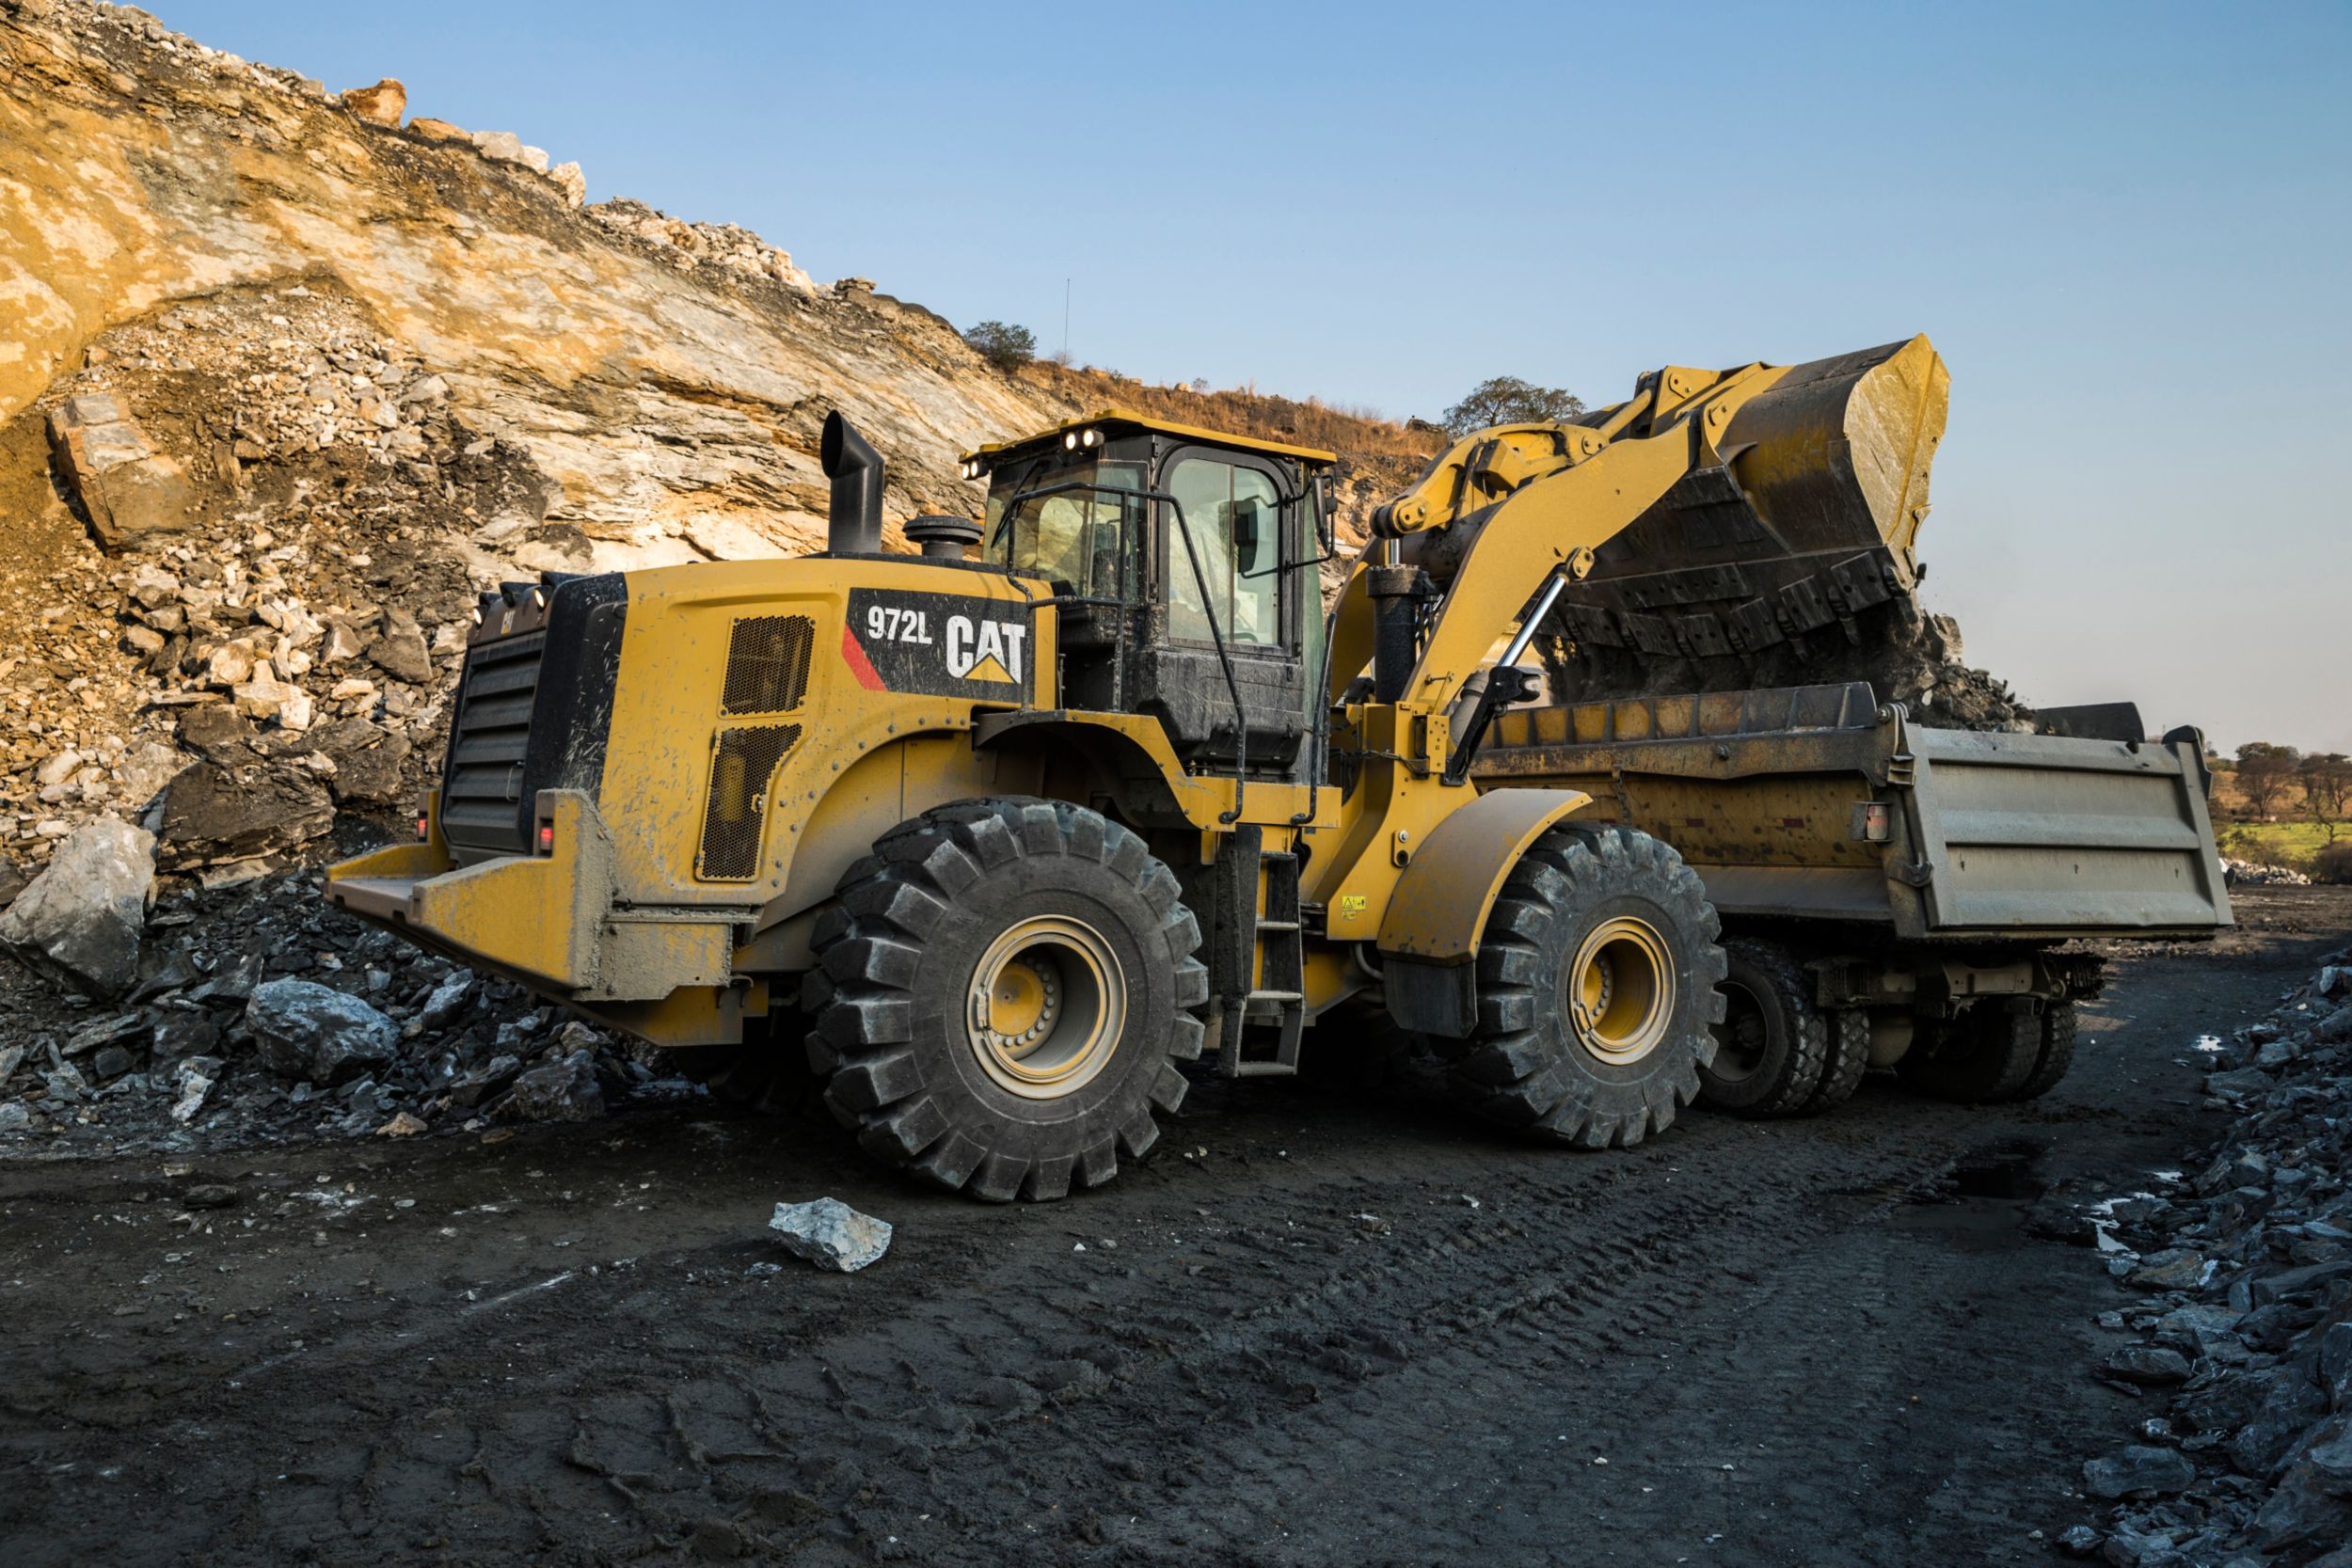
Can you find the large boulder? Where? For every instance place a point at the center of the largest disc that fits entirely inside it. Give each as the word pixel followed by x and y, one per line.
pixel 400 650
pixel 127 487
pixel 214 813
pixel 565 1090
pixel 2138 1471
pixel 831 1234
pixel 80 919
pixel 368 760
pixel 312 1031
pixel 381 104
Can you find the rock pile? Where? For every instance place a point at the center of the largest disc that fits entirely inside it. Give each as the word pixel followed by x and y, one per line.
pixel 304 627
pixel 2255 874
pixel 259 1013
pixel 1917 661
pixel 2244 1314
pixel 689 245
pixel 256 457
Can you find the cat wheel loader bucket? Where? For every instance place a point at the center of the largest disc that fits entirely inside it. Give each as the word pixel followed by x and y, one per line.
pixel 1792 541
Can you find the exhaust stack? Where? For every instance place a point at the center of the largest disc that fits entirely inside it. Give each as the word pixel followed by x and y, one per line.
pixel 854 514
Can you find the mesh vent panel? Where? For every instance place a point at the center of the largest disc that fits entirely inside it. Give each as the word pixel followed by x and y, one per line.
pixel 742 762
pixel 768 664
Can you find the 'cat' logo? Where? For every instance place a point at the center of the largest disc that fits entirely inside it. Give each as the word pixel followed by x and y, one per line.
pixel 944 644
pixel 988 651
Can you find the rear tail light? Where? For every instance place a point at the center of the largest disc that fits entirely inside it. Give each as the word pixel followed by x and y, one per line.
pixel 424 827
pixel 546 838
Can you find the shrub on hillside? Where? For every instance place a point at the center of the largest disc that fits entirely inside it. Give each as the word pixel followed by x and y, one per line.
pixel 1002 344
pixel 2333 863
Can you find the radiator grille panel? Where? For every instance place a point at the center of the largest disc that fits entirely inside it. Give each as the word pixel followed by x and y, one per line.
pixel 768 664
pixel 481 804
pixel 742 762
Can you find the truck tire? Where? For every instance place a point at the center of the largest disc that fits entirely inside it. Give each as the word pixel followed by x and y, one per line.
pixel 1770 1044
pixel 1006 988
pixel 1987 1056
pixel 2058 1025
pixel 1597 984
pixel 1847 1059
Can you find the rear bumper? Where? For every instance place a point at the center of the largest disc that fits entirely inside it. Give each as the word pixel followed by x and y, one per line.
pixel 549 921
pixel 535 917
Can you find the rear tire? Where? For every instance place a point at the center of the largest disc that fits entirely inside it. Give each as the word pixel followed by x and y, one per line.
pixel 1770 1046
pixel 1847 1059
pixel 1987 1056
pixel 2060 1022
pixel 1597 976
pixel 1007 987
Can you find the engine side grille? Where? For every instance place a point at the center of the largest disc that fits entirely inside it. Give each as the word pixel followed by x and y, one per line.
pixel 482 791
pixel 768 664
pixel 742 762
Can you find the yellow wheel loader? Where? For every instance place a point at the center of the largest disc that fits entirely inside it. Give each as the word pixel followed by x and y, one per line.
pixel 995 840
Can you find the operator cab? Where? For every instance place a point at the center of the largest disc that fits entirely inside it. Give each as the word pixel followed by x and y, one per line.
pixel 1174 554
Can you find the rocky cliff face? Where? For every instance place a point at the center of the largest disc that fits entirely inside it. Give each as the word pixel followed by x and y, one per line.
pixel 666 379
pixel 283 377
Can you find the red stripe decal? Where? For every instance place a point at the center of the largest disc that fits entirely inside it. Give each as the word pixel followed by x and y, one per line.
pixel 860 666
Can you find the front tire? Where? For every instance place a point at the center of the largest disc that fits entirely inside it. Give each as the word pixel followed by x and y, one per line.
pixel 1597 976
pixel 1005 990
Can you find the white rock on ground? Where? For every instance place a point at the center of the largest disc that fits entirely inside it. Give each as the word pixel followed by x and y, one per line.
pixel 83 916
pixel 831 1234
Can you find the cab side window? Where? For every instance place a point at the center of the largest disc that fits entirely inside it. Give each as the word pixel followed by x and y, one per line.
pixel 1235 517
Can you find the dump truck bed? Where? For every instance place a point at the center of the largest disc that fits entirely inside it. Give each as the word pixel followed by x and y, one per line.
pixel 1818 803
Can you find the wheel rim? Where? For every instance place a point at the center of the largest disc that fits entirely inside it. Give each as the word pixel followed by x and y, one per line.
pixel 1045 1007
pixel 1621 990
pixel 1741 1037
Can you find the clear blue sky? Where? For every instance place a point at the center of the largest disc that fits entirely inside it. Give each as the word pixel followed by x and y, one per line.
pixel 2127 227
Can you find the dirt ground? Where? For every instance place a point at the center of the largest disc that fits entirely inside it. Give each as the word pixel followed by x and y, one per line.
pixel 1305 1332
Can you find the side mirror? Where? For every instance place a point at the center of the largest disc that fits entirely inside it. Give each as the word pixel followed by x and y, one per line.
pixel 1322 503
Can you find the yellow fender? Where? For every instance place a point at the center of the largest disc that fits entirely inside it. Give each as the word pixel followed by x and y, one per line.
pixel 1429 934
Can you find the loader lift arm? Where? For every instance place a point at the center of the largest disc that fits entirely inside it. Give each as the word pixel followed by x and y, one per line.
pixel 1782 503
pixel 1543 531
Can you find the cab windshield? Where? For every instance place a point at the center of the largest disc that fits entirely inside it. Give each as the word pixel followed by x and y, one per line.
pixel 1070 537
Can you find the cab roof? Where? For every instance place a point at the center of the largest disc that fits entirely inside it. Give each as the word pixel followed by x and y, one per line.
pixel 1128 417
